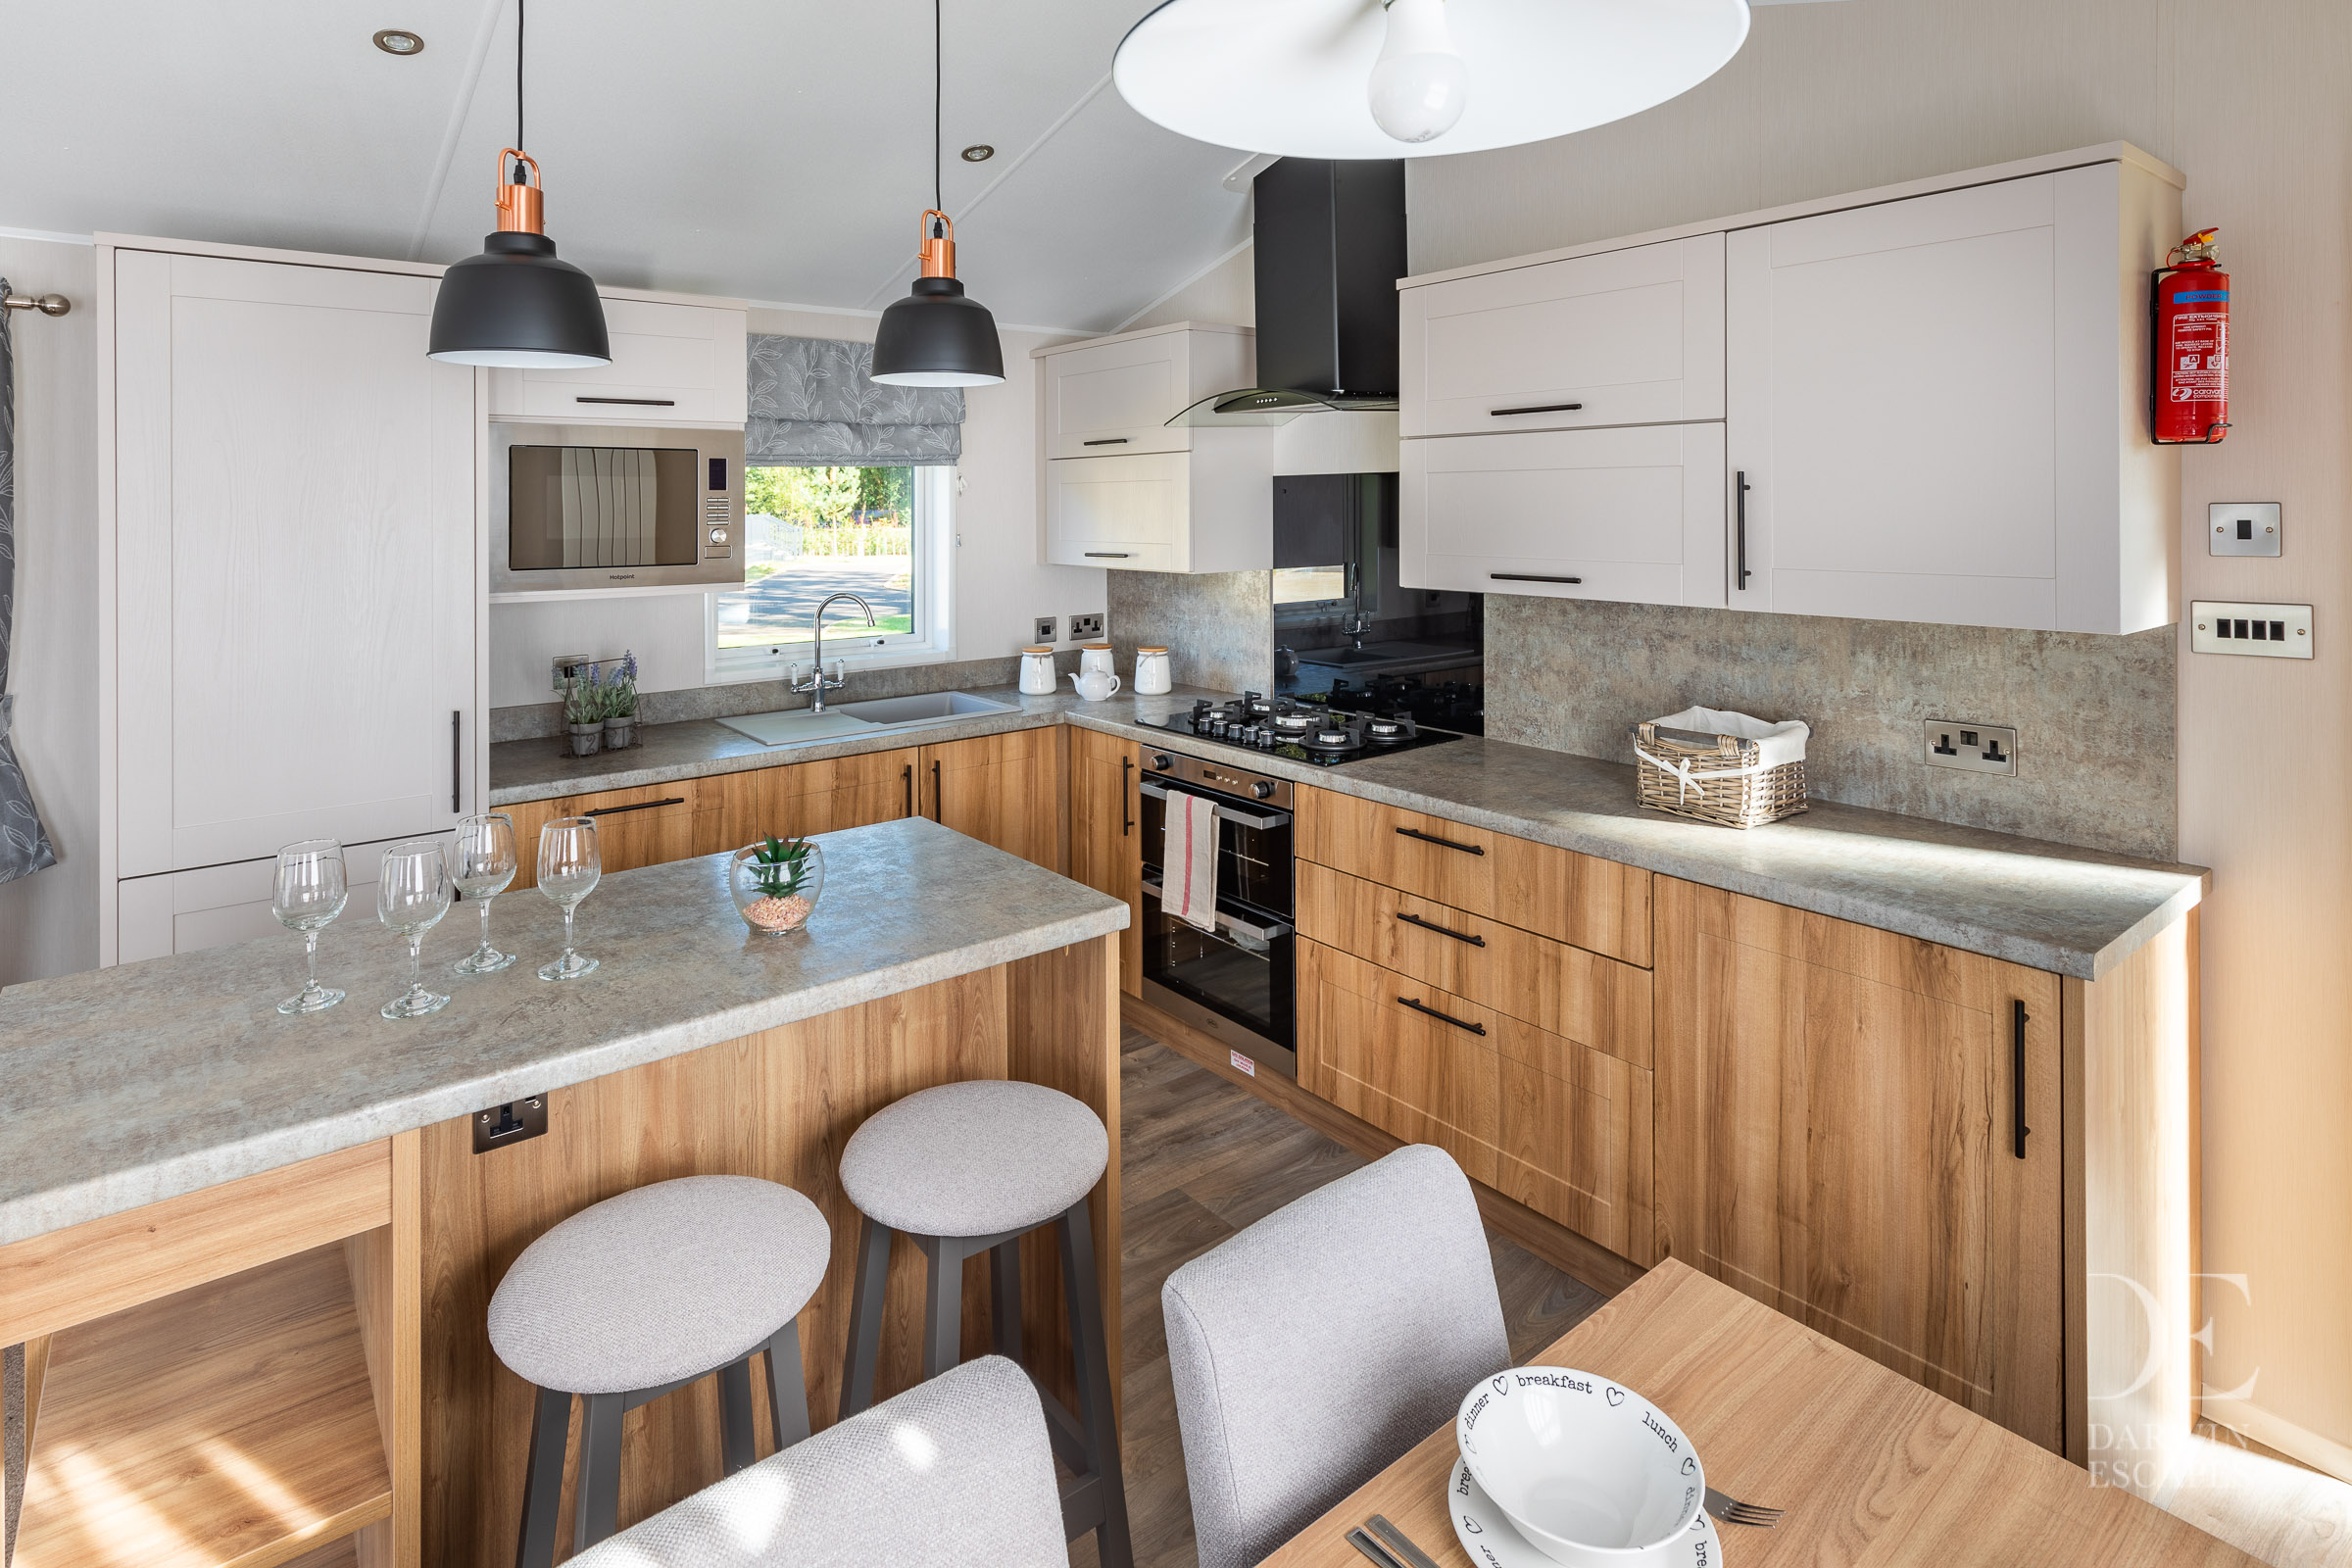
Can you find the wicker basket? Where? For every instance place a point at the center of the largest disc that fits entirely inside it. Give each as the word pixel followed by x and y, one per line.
pixel 1714 778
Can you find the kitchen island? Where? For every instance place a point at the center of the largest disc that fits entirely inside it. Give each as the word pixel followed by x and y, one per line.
pixel 250 1254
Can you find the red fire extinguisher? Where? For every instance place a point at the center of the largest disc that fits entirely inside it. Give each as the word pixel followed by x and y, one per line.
pixel 2190 303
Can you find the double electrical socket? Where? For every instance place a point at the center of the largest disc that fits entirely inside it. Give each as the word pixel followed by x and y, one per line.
pixel 1083 628
pixel 1971 748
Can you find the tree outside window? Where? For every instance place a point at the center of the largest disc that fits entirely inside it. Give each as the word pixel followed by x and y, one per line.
pixel 811 532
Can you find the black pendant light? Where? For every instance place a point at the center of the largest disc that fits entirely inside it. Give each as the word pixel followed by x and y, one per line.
pixel 515 305
pixel 938 335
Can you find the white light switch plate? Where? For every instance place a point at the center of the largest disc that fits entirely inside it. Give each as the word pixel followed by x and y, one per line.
pixel 2271 631
pixel 2242 528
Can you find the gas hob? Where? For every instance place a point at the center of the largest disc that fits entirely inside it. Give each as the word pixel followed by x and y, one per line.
pixel 1301 732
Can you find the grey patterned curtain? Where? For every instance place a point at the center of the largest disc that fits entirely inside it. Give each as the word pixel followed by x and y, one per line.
pixel 24 846
pixel 813 406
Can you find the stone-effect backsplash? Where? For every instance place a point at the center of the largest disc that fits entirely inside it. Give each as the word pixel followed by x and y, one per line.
pixel 545 720
pixel 1218 627
pixel 2094 715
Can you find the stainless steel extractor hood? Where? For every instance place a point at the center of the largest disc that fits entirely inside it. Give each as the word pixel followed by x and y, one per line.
pixel 1329 243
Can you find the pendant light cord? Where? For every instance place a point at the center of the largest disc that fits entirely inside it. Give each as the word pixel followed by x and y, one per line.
pixel 519 19
pixel 938 75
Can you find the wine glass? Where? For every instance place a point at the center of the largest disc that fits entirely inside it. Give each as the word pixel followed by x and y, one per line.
pixel 412 897
pixel 310 891
pixel 481 863
pixel 568 868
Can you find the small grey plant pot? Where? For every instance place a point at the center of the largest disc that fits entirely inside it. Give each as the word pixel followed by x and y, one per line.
pixel 619 733
pixel 586 739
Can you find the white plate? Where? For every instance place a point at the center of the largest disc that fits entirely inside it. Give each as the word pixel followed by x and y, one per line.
pixel 1488 1536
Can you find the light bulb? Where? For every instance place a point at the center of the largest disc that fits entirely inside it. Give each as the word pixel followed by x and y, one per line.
pixel 1418 86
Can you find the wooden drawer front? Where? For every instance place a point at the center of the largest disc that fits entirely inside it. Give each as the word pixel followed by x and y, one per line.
pixel 840 792
pixel 1597 904
pixel 1562 1128
pixel 1564 990
pixel 634 827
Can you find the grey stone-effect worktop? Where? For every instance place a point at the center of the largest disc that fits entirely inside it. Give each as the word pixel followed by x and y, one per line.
pixel 148 1080
pixel 2052 907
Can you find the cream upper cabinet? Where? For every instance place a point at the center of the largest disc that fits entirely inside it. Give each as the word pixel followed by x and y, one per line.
pixel 1628 514
pixel 1940 407
pixel 1630 336
pixel 1114 396
pixel 1122 488
pixel 673 362
pixel 296 566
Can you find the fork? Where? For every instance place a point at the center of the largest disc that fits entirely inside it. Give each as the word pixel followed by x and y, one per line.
pixel 1731 1511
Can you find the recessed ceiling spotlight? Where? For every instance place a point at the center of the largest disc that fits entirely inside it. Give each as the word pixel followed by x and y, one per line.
pixel 978 152
pixel 400 41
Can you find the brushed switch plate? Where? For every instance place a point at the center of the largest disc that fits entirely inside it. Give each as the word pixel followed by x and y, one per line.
pixel 2268 631
pixel 2242 528
pixel 1085 629
pixel 1971 747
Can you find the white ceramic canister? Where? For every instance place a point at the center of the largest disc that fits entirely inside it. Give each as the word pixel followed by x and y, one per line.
pixel 1036 671
pixel 1094 657
pixel 1151 671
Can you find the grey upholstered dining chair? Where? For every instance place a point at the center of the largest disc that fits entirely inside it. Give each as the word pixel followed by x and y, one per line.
pixel 953 1472
pixel 1314 1348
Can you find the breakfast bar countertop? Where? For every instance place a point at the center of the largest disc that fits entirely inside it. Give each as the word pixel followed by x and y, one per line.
pixel 145 1081
pixel 2052 907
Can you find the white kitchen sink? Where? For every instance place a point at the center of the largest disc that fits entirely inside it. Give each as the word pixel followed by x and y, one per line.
pixel 798 726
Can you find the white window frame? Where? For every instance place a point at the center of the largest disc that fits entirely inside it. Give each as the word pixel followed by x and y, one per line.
pixel 931 641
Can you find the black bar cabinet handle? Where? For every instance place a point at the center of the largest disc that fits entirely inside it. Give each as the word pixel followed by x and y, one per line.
pixel 1443 1018
pixel 636 403
pixel 457 759
pixel 2018 1020
pixel 1108 555
pixel 938 802
pixel 1740 500
pixel 1432 838
pixel 1536 408
pixel 1126 807
pixel 1472 938
pixel 635 806
pixel 1527 576
pixel 1107 441
pixel 906 778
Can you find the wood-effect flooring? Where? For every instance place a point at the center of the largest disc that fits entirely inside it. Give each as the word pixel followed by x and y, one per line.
pixel 1203 1158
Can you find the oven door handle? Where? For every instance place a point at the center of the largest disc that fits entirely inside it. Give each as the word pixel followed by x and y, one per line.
pixel 1262 933
pixel 1230 813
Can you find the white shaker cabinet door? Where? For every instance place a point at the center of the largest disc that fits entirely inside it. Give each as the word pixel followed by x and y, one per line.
pixel 185 911
pixel 295 560
pixel 1903 380
pixel 1634 513
pixel 1129 513
pixel 672 364
pixel 1633 336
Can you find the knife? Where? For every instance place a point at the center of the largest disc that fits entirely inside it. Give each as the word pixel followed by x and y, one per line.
pixel 1412 1554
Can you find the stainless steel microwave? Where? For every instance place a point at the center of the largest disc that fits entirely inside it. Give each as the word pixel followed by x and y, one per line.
pixel 579 507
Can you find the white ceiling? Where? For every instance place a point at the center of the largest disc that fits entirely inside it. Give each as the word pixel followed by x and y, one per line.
pixel 768 149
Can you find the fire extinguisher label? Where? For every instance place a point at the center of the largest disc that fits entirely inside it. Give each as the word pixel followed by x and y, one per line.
pixel 2194 296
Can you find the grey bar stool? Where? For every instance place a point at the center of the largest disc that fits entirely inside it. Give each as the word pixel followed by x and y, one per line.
pixel 969 1168
pixel 641 1294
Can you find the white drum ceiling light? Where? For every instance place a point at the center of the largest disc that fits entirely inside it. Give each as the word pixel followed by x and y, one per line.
pixel 1364 78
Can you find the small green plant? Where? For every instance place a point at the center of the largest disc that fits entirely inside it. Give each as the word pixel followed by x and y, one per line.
pixel 584 699
pixel 620 691
pixel 781 866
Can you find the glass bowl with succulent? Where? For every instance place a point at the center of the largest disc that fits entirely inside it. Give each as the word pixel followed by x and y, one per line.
pixel 776 883
pixel 621 706
pixel 584 711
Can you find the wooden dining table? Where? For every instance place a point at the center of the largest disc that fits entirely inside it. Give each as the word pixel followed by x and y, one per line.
pixel 1870 1467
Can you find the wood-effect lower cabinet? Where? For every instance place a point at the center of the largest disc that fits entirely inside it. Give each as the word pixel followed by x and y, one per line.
pixel 1004 790
pixel 1106 818
pixel 1560 1126
pixel 1863 1131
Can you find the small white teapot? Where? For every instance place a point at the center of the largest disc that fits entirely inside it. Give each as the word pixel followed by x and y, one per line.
pixel 1095 685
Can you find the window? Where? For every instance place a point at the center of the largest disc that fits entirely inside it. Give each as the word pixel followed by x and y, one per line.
pixel 877 532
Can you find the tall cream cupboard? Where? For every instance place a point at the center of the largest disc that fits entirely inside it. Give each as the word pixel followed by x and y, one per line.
pixel 296 600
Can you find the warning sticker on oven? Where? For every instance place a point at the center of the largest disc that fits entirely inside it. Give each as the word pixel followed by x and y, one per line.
pixel 1241 1063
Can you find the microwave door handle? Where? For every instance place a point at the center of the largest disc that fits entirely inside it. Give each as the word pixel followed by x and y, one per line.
pixel 1262 933
pixel 1229 814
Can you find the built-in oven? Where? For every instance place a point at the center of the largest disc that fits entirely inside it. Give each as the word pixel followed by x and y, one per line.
pixel 1237 983
pixel 577 506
